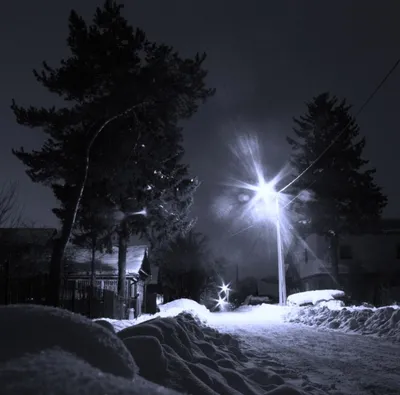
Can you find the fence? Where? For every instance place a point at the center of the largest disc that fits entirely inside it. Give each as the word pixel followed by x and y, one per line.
pixel 76 295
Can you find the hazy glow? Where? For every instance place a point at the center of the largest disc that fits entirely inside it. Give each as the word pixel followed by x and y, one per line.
pixel 141 212
pixel 249 199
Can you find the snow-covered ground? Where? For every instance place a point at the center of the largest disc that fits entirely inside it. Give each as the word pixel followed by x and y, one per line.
pixel 250 351
pixel 312 361
pixel 316 361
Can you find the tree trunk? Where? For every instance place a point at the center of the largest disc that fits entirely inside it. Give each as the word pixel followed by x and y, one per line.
pixel 122 251
pixel 54 288
pixel 334 246
pixel 92 280
pixel 7 280
pixel 56 262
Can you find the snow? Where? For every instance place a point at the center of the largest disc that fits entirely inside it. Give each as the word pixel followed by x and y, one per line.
pixel 182 354
pixel 171 309
pixel 313 297
pixel 187 349
pixel 183 305
pixel 329 313
pixel 52 351
pixel 381 322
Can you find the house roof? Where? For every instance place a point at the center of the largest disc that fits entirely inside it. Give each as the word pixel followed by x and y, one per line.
pixel 134 257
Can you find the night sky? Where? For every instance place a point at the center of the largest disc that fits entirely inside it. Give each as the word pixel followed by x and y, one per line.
pixel 266 58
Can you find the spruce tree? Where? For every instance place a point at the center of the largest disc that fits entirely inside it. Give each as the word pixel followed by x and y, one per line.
pixel 114 81
pixel 344 196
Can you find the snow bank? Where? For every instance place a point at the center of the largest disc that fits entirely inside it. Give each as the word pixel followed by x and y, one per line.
pixel 183 354
pixel 184 305
pixel 46 351
pixel 32 329
pixel 171 309
pixel 382 322
pixel 313 297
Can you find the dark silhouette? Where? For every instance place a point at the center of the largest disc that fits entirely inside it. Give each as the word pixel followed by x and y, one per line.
pixel 115 80
pixel 186 269
pixel 338 194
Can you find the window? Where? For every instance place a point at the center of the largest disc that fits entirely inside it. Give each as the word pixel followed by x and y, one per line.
pixel 305 255
pixel 346 252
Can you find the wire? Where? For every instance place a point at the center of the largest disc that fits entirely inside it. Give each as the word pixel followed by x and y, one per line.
pixel 370 97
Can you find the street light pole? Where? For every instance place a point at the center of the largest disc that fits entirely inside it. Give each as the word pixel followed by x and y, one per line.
pixel 281 263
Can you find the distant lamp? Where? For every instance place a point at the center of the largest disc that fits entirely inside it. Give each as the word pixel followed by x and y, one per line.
pixel 221 302
pixel 225 288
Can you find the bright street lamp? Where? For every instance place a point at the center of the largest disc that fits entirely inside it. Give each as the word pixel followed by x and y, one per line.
pixel 267 192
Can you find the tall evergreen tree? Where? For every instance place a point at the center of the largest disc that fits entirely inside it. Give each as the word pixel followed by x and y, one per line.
pixel 186 268
pixel 344 196
pixel 116 81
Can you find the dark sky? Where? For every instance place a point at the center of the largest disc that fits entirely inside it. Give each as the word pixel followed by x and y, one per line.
pixel 266 58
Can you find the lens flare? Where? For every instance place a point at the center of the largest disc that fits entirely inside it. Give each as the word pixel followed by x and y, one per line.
pixel 249 198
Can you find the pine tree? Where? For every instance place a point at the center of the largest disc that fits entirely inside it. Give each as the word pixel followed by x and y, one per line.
pixel 185 266
pixel 343 196
pixel 114 77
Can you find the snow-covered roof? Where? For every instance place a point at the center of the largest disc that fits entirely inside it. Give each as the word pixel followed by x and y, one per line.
pixel 134 257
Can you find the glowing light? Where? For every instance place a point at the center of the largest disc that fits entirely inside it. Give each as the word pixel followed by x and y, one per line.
pixel 141 212
pixel 225 288
pixel 266 190
pixel 250 199
pixel 260 199
pixel 221 302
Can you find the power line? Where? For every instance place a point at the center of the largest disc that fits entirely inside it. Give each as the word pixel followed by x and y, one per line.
pixel 366 102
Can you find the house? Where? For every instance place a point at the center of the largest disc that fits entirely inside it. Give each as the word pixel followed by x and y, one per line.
pixel 138 274
pixel 24 260
pixel 369 264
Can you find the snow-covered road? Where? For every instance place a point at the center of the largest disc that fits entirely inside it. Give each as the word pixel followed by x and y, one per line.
pixel 321 362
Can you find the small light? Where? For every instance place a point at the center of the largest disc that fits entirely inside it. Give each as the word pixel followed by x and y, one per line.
pixel 221 302
pixel 225 288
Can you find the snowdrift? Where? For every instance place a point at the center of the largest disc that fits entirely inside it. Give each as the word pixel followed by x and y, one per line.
pixel 171 309
pixel 183 354
pixel 46 350
pixel 382 322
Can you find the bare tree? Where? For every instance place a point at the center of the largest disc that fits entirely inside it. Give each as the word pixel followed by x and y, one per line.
pixel 10 209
